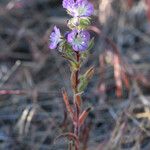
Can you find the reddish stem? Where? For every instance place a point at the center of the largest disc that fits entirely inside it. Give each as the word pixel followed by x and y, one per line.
pixel 76 125
pixel 77 72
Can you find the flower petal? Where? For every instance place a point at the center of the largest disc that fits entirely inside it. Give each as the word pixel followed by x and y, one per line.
pixel 67 3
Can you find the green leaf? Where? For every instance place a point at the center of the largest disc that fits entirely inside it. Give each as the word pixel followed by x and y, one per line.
pixel 84 55
pixel 68 50
pixel 84 79
pixel 83 84
pixel 79 23
pixel 73 23
pixel 74 65
pixel 89 73
pixel 61 46
pixel 84 23
pixel 91 44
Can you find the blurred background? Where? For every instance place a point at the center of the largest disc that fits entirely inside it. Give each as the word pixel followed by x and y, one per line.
pixel 32 113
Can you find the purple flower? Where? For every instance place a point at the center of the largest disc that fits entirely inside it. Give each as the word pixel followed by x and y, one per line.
pixel 80 8
pixel 83 8
pixel 55 38
pixel 79 40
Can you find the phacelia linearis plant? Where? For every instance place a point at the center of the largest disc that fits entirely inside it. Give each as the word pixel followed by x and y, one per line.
pixel 74 47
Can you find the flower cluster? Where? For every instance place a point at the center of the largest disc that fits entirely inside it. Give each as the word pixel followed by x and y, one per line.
pixel 79 37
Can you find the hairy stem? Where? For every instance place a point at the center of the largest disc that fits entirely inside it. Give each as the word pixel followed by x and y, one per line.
pixel 77 109
pixel 77 73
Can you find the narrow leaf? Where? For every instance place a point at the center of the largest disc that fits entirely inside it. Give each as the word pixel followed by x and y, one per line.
pixel 89 73
pixel 84 115
pixel 83 84
pixel 69 108
pixel 78 99
pixel 91 44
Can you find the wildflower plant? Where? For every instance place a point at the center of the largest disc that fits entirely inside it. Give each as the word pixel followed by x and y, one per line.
pixel 74 47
